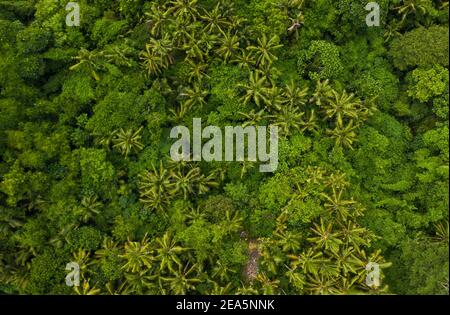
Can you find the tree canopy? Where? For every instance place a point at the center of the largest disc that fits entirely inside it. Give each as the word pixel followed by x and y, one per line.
pixel 86 175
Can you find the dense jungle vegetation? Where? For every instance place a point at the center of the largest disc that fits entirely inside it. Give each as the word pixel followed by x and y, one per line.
pixel 86 175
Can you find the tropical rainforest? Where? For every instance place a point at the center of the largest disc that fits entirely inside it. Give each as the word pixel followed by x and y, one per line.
pixel 86 175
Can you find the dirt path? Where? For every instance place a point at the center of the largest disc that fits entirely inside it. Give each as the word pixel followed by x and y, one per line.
pixel 251 269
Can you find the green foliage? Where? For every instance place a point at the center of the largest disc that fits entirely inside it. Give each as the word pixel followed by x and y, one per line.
pixel 97 173
pixel 421 47
pixel 87 238
pixel 122 110
pixel 379 82
pixel 426 84
pixel 266 17
pixel 321 61
pixel 422 268
pixel 106 30
pixel 46 273
pixel 350 18
pixel 20 10
pixel 86 174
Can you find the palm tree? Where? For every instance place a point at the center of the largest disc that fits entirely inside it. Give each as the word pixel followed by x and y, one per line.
pixel 392 30
pixel 411 6
pixel 442 232
pixel 346 286
pixel 197 71
pixel 245 60
pixel 246 290
pixel 294 96
pixel 315 175
pixel 325 237
pixel 365 109
pixel 195 214
pixel 355 236
pixel 205 183
pixel 86 289
pixel 8 222
pixel 236 21
pixel 157 18
pixel 108 247
pixel 274 98
pixel 343 136
pixel 181 33
pixel 342 106
pixel 83 259
pixel 128 141
pixel 232 222
pixel 328 267
pixel 180 112
pixel 255 90
pixel 198 46
pixel 162 86
pixel 246 165
pixel 222 271
pixel 155 188
pixel 119 55
pixel 104 140
pixel 296 278
pixel 335 204
pixel 138 255
pixel 19 278
pixel 229 45
pixel 321 285
pixel 268 287
pixel 253 118
pixel 115 289
pixel 185 182
pixel 343 259
pixel 310 124
pixel 215 21
pixel 281 222
pixel 337 180
pixel 308 261
pixel 151 61
pixel 167 252
pixel 163 48
pixel 63 235
pixel 89 208
pixel 157 180
pixel 265 50
pixel 270 73
pixel 139 283
pixel 288 240
pixel 287 119
pixel 219 289
pixel 182 281
pixel 195 96
pixel 322 93
pixel 184 10
pixel 153 200
pixel 362 260
pixel 272 256
pixel 90 60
